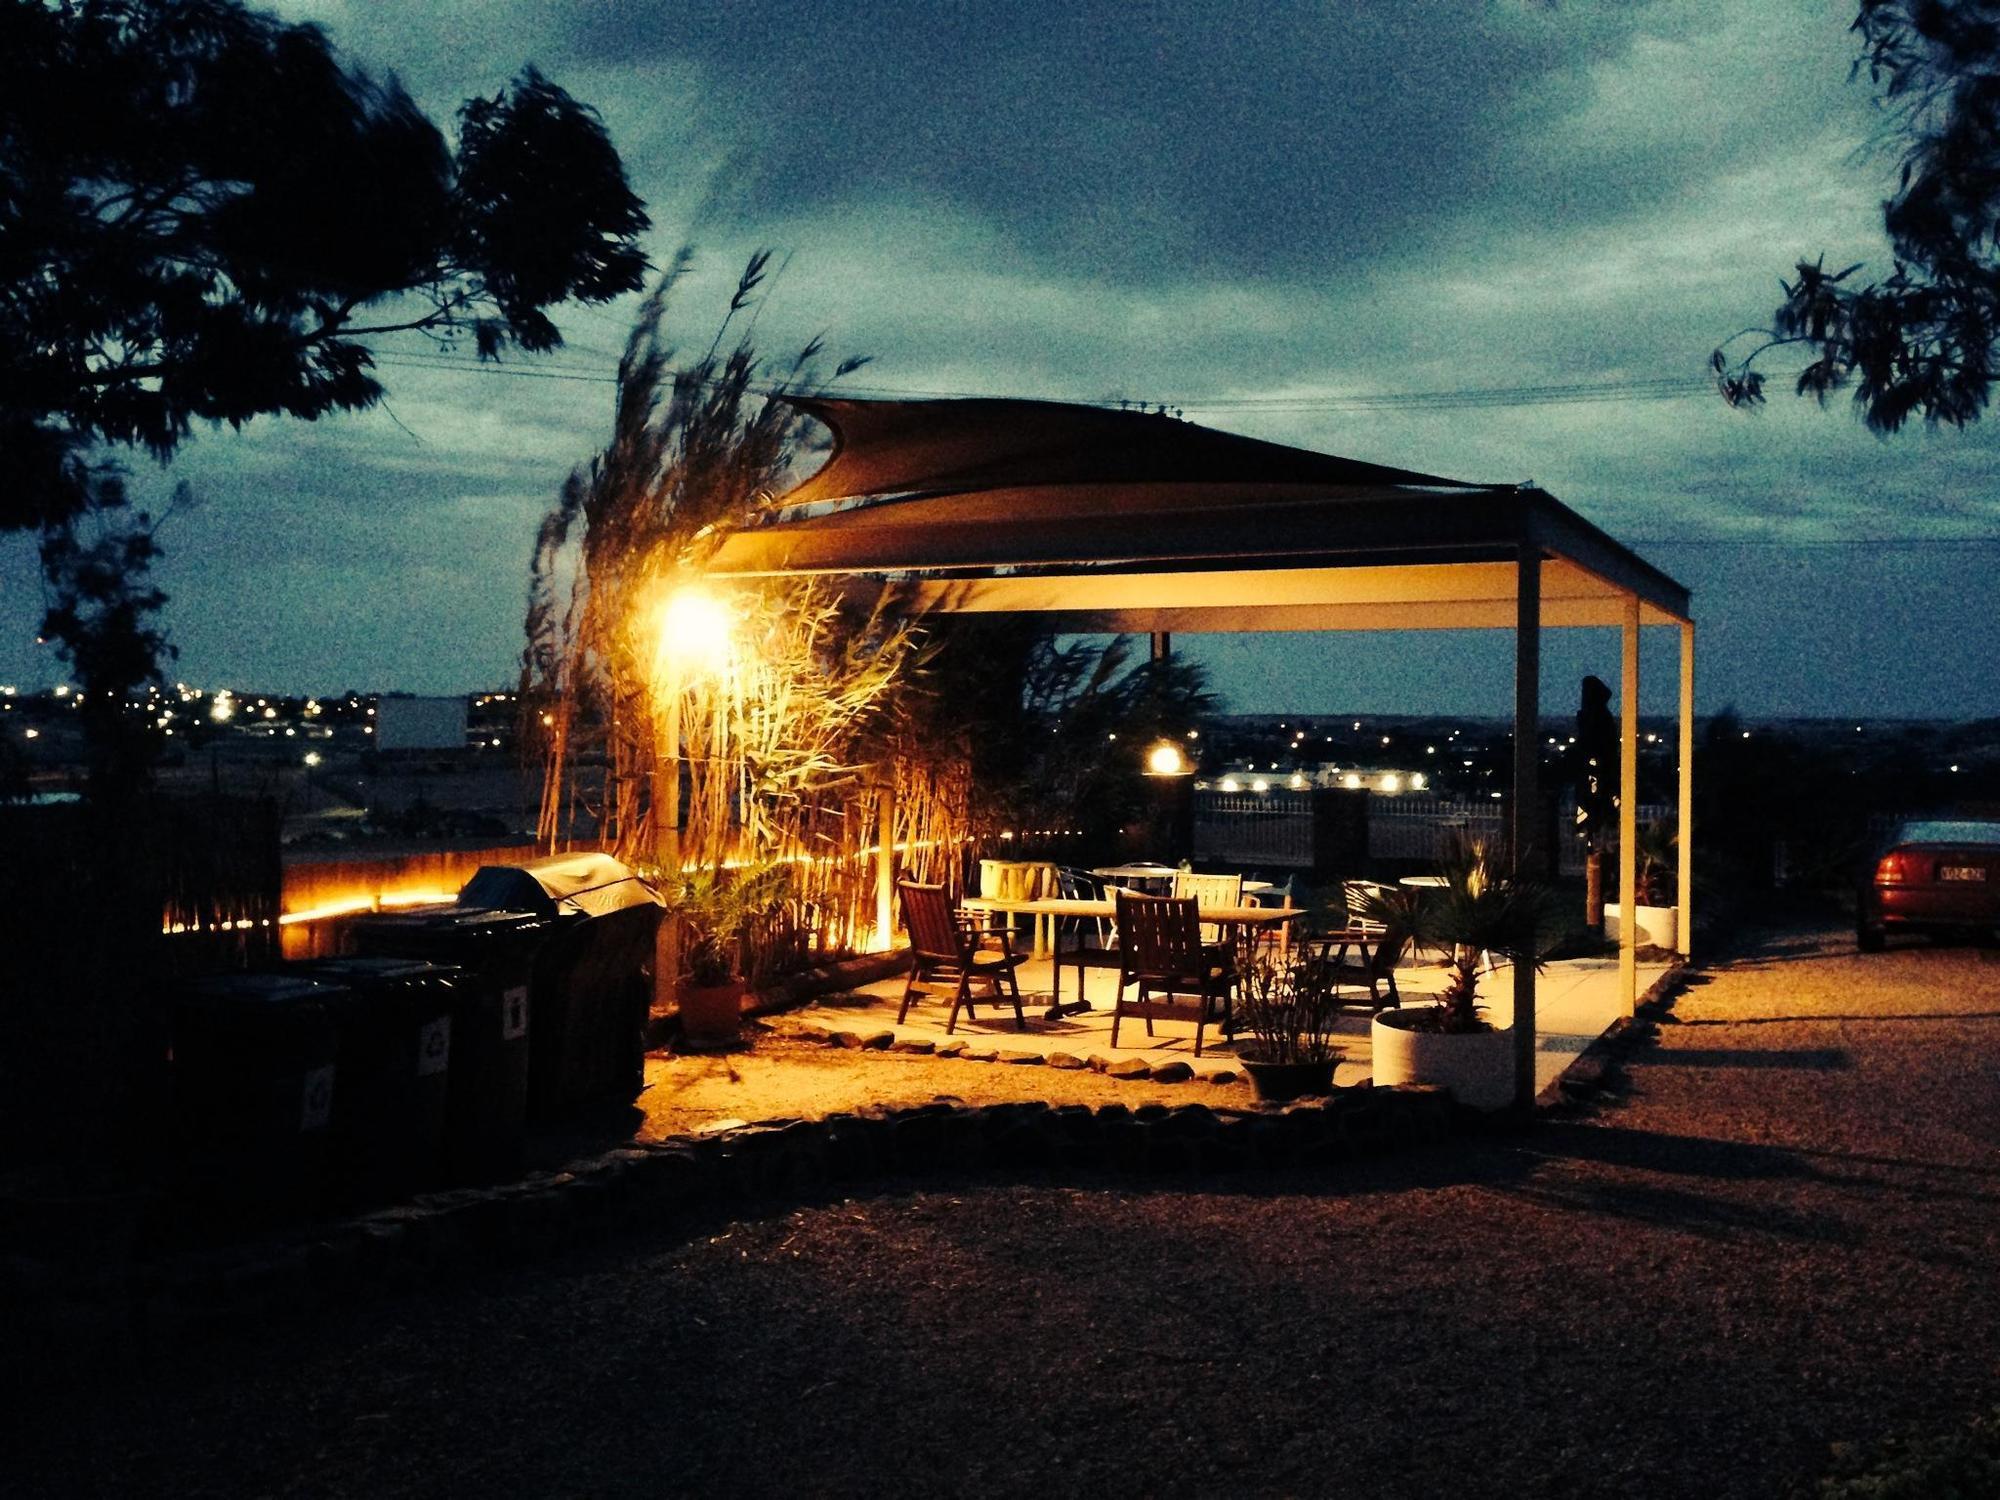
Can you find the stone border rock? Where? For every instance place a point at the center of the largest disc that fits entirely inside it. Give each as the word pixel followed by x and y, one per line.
pixel 1125 1069
pixel 654 1183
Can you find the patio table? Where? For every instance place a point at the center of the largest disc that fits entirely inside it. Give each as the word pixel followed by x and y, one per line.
pixel 1139 874
pixel 1232 918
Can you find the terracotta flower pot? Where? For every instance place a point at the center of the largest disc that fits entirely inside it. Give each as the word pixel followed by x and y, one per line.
pixel 711 1013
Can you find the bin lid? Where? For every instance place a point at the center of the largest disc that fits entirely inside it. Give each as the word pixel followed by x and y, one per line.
pixel 591 885
pixel 262 989
pixel 477 921
pixel 368 975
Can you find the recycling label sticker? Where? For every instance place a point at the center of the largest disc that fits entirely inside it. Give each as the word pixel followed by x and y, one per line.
pixel 316 1099
pixel 434 1047
pixel 514 1013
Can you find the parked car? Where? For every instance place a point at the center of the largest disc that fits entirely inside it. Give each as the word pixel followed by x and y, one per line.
pixel 1937 875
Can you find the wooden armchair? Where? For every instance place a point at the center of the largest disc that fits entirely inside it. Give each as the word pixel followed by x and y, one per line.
pixel 1361 956
pixel 1207 891
pixel 1178 977
pixel 946 948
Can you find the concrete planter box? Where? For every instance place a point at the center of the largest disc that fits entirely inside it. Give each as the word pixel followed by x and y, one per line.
pixel 1477 1066
pixel 1658 925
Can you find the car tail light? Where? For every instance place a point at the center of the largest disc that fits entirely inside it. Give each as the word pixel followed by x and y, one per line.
pixel 1896 869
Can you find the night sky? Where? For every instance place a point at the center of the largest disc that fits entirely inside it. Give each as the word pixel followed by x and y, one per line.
pixel 1259 214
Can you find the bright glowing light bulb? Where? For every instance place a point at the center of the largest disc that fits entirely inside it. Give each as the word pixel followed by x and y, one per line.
pixel 695 630
pixel 1165 759
pixel 222 709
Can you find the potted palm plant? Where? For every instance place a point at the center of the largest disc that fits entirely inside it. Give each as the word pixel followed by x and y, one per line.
pixel 1654 912
pixel 1289 1011
pixel 1449 1041
pixel 716 910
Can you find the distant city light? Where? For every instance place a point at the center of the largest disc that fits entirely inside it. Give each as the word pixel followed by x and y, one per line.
pixel 1419 781
pixel 312 757
pixel 1260 785
pixel 222 709
pixel 1231 784
pixel 31 734
pixel 1392 782
pixel 1350 781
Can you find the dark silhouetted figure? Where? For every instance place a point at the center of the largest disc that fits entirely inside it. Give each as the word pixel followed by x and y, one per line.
pixel 1596 789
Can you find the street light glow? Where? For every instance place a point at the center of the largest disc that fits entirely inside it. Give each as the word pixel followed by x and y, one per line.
pixel 1165 759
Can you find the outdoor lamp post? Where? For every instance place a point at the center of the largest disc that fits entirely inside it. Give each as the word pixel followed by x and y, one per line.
pixel 695 641
pixel 1170 821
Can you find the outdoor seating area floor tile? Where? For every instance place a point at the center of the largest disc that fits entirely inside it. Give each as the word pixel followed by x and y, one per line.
pixel 1576 1001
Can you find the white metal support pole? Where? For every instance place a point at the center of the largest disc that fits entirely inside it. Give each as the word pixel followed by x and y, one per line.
pixel 1527 794
pixel 1628 812
pixel 1685 922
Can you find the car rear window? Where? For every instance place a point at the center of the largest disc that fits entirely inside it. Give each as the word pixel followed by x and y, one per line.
pixel 1939 832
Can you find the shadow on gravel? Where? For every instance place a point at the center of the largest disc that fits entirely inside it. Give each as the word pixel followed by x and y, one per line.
pixel 1809 1018
pixel 1817 1059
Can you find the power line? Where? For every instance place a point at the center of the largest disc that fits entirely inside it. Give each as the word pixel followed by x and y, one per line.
pixel 1665 388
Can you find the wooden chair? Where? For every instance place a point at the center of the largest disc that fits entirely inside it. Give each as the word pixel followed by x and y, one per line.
pixel 1207 891
pixel 946 948
pixel 1179 978
pixel 1362 956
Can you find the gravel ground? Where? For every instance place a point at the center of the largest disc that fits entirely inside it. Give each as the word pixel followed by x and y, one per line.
pixel 1784 1233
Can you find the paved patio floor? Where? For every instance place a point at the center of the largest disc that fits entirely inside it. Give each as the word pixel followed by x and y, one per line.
pixel 1576 1000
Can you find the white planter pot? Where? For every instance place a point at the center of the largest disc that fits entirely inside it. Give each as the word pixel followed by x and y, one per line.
pixel 1658 925
pixel 1477 1066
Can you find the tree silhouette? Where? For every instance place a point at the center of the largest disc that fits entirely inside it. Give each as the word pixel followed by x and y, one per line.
pixel 204 214
pixel 1919 341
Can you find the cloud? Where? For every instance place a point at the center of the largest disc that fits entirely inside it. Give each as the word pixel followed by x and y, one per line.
pixel 1197 204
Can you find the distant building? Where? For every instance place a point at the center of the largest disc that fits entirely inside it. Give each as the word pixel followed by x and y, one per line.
pixel 419 724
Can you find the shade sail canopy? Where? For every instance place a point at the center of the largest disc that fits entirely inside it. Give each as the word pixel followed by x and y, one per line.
pixel 1095 519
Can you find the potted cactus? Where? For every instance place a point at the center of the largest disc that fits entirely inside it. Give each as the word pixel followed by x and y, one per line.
pixel 1449 1041
pixel 1657 917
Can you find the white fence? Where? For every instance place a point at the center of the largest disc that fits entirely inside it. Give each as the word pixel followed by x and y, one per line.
pixel 1275 829
pixel 1255 828
pixel 1423 827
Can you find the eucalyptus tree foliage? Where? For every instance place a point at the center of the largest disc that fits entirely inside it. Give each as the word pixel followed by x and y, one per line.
pixel 1920 340
pixel 698 448
pixel 205 214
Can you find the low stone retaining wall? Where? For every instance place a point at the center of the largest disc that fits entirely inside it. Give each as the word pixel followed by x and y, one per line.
pixel 118 1311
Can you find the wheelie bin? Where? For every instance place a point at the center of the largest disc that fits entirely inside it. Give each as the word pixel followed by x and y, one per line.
pixel 255 1082
pixel 393 1039
pixel 492 1021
